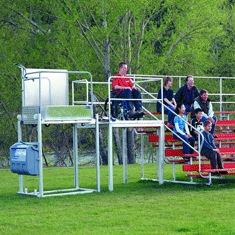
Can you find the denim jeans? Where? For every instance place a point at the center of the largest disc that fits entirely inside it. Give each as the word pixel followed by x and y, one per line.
pixel 214 157
pixel 134 94
pixel 171 115
pixel 186 148
pixel 187 108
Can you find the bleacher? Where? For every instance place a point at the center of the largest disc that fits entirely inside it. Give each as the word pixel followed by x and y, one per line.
pixel 225 136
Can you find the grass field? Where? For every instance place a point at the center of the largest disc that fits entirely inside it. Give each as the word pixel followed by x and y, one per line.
pixel 138 207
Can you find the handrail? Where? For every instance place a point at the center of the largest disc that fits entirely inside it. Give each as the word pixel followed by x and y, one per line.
pixel 87 99
pixel 143 77
pixel 160 100
pixel 199 144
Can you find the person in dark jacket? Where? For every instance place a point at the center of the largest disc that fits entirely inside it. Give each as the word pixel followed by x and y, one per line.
pixel 204 103
pixel 168 100
pixel 187 93
pixel 209 149
pixel 197 122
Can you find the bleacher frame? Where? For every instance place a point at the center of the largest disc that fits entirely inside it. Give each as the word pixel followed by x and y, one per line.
pixel 192 158
pixel 95 122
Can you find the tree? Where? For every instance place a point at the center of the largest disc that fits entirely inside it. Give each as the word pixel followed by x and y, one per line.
pixel 153 37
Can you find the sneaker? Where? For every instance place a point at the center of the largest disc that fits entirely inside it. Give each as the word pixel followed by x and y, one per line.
pixel 131 114
pixel 140 113
pixel 223 172
pixel 215 173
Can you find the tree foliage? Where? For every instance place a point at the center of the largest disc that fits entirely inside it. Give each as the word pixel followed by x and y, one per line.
pixel 154 37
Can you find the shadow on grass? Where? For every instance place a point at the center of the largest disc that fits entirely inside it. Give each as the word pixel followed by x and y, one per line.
pixel 217 184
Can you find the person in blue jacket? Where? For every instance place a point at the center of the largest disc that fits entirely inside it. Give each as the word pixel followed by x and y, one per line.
pixel 209 150
pixel 182 130
pixel 168 100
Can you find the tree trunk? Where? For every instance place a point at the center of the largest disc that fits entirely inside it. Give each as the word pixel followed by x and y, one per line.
pixel 118 145
pixel 103 149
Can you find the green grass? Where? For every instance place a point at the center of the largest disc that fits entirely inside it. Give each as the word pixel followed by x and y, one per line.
pixel 138 207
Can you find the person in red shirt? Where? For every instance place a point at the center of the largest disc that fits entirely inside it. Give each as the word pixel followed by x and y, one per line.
pixel 125 89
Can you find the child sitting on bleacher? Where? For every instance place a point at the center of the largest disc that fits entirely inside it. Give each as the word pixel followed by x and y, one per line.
pixel 197 122
pixel 209 150
pixel 181 129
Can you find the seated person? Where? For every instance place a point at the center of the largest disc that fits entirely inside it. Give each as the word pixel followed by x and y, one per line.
pixel 181 129
pixel 168 100
pixel 187 93
pixel 197 123
pixel 209 150
pixel 204 103
pixel 125 89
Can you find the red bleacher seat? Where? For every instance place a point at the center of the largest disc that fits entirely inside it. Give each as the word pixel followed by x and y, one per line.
pixel 207 167
pixel 225 123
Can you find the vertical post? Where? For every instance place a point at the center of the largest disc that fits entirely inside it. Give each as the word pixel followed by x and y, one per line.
pixel 173 169
pixel 20 139
pixel 75 155
pixel 40 154
pixel 97 153
pixel 87 92
pixel 199 154
pixel 157 155
pixel 173 146
pixel 191 162
pixel 161 153
pixel 162 100
pixel 221 98
pixel 110 156
pixel 72 92
pixel 124 154
pixel 142 154
pixel 92 96
pixel 40 93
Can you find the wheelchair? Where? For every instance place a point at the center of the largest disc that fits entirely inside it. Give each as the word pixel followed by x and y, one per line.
pixel 120 108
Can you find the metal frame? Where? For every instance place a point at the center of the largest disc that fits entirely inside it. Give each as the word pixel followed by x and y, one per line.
pixel 210 177
pixel 76 189
pixel 140 123
pixel 40 122
pixel 129 124
pixel 95 123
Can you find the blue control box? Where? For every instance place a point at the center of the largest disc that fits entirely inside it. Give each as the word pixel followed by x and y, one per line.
pixel 24 158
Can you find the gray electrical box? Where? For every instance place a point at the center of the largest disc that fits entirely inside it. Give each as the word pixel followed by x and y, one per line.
pixel 24 158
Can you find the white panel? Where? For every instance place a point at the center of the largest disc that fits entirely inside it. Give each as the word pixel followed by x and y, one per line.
pixel 54 89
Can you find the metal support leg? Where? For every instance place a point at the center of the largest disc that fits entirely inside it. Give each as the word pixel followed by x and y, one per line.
pixel 157 155
pixel 20 183
pixel 161 154
pixel 124 154
pixel 110 156
pixel 97 153
pixel 142 154
pixel 20 139
pixel 40 155
pixel 174 170
pixel 191 162
pixel 173 166
pixel 75 155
